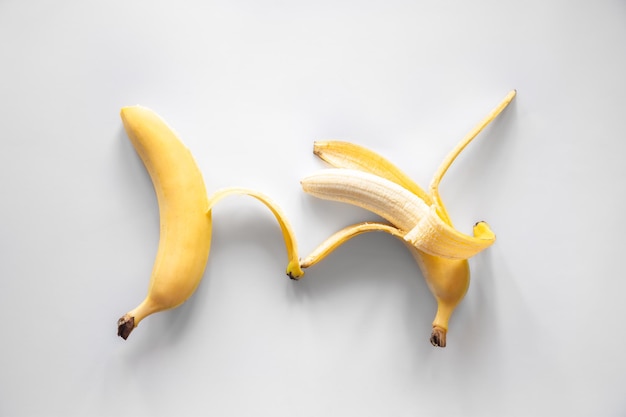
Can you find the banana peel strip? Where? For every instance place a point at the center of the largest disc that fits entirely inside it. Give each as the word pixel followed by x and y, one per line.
pixel 293 267
pixel 348 155
pixel 345 234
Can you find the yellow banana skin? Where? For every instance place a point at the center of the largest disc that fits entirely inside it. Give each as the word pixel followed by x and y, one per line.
pixel 185 224
pixel 448 281
pixel 419 218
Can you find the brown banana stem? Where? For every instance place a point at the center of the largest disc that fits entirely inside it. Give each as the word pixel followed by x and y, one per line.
pixel 125 325
pixel 438 337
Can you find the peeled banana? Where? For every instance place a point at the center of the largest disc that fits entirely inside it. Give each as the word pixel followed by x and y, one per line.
pixel 185 216
pixel 366 179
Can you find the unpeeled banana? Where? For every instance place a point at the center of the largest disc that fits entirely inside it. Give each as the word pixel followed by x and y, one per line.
pixel 185 216
pixel 366 179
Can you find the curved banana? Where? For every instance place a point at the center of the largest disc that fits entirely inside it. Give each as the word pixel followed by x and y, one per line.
pixel 185 224
pixel 370 181
pixel 185 216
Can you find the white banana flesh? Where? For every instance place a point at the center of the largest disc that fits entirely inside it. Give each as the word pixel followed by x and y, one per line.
pixel 387 199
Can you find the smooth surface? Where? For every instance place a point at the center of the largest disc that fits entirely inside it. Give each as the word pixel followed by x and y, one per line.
pixel 249 86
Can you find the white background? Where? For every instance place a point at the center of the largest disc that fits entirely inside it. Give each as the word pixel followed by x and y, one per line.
pixel 249 85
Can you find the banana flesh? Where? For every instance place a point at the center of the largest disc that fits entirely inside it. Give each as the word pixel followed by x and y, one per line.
pixel 184 216
pixel 387 199
pixel 363 178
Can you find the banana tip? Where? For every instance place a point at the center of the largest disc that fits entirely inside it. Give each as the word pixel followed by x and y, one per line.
pixel 125 325
pixel 125 110
pixel 438 337
pixel 294 271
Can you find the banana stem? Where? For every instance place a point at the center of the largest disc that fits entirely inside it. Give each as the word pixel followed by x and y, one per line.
pixel 438 337
pixel 125 325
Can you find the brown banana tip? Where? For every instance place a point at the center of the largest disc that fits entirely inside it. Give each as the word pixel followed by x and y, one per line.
pixel 294 276
pixel 438 337
pixel 294 270
pixel 125 325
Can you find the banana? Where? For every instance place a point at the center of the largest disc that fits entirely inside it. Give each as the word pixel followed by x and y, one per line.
pixel 185 225
pixel 185 216
pixel 418 217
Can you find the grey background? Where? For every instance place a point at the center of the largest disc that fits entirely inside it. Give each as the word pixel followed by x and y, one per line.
pixel 249 85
